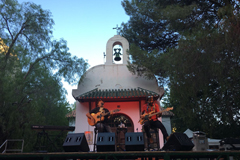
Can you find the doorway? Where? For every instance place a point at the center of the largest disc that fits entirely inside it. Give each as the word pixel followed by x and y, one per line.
pixel 115 122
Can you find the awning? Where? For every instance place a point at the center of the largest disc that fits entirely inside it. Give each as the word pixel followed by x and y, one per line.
pixel 116 94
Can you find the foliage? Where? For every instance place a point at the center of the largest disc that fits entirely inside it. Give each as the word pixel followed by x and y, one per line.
pixel 141 67
pixel 204 81
pixel 32 65
pixel 201 66
pixel 144 27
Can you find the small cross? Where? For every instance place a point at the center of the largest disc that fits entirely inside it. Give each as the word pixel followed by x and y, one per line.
pixel 118 29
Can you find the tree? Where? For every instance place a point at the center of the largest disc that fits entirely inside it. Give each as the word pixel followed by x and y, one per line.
pixel 145 29
pixel 201 66
pixel 204 81
pixel 32 65
pixel 26 29
pixel 157 25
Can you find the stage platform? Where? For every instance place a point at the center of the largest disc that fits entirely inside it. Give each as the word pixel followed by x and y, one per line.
pixel 141 155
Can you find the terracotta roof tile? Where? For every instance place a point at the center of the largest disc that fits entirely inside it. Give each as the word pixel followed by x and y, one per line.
pixel 116 94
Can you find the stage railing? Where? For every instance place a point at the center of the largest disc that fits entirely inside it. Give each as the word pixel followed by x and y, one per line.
pixel 157 155
pixel 12 150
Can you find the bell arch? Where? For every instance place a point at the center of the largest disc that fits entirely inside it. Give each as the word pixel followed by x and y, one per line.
pixel 112 51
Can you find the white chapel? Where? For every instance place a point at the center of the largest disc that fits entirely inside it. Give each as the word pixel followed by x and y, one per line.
pixel 119 89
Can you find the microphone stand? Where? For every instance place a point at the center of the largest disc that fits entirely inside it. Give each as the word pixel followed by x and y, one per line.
pixel 101 125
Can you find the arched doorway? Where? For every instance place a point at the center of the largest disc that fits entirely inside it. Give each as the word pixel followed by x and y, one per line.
pixel 114 122
pixel 117 118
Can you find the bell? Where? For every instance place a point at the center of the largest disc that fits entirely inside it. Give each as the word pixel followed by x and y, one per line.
pixel 117 57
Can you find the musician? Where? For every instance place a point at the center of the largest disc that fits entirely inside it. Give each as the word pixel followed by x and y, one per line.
pixel 151 107
pixel 102 126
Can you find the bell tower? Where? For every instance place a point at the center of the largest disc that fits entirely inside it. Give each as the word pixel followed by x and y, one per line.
pixel 116 50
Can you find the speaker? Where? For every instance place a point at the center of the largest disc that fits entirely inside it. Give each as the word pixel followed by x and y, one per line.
pixel 134 141
pixel 178 142
pixel 106 142
pixel 75 142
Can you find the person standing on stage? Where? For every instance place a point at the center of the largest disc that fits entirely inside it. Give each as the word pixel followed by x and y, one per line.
pixel 102 126
pixel 153 122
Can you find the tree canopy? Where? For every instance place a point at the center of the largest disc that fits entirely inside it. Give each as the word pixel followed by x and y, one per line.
pixel 32 65
pixel 200 65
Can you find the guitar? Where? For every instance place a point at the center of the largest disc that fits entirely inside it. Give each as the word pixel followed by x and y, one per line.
pixel 146 116
pixel 99 116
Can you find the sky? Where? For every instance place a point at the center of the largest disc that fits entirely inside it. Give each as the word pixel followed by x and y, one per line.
pixel 86 25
